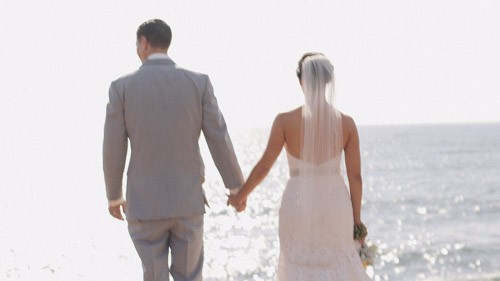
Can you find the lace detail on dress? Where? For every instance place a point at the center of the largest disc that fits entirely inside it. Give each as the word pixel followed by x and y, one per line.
pixel 331 261
pixel 345 269
pixel 326 250
pixel 331 167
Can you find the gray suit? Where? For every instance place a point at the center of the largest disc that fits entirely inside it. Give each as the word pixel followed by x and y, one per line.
pixel 162 109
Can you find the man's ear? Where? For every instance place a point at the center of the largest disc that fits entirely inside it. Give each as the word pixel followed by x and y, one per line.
pixel 143 42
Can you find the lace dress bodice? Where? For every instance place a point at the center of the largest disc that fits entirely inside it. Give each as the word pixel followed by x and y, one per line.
pixel 328 168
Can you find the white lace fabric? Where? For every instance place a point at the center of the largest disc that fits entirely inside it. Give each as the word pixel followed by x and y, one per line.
pixel 316 219
pixel 325 250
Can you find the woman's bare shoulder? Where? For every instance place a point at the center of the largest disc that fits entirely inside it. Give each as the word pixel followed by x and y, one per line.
pixel 294 111
pixel 292 114
pixel 348 122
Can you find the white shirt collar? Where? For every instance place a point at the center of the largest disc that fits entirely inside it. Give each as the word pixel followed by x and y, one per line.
pixel 157 56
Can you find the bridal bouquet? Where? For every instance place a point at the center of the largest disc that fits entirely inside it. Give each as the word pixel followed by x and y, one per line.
pixel 366 252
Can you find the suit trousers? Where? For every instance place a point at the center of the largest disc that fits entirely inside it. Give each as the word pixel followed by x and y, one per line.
pixel 182 237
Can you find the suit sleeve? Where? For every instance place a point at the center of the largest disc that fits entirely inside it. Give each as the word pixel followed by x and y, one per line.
pixel 218 140
pixel 114 145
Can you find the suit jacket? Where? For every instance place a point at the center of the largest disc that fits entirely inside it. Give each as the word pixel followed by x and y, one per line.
pixel 162 109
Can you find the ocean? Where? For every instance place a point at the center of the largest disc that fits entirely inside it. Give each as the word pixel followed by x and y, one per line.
pixel 431 203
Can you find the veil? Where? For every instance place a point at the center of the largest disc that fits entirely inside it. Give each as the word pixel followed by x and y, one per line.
pixel 321 121
pixel 321 142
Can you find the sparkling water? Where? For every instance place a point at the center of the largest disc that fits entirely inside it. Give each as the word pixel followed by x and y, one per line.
pixel 431 203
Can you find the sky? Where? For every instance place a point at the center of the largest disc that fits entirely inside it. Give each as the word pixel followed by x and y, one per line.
pixel 396 62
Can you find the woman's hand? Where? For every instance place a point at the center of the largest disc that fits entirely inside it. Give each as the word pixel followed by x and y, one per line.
pixel 237 201
pixel 360 232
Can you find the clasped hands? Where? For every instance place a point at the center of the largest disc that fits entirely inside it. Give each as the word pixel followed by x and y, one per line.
pixel 238 201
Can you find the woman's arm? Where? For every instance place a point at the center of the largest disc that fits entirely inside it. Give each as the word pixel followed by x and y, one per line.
pixel 353 167
pixel 261 169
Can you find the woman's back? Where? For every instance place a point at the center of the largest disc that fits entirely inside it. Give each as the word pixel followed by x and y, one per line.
pixel 291 123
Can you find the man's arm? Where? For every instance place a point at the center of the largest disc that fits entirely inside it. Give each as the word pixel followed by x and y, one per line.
pixel 218 140
pixel 114 151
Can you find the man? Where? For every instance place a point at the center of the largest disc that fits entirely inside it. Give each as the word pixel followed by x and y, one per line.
pixel 162 109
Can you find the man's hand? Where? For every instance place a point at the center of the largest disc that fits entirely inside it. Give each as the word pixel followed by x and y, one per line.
pixel 238 203
pixel 117 211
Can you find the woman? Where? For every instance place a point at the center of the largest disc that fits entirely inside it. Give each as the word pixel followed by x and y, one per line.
pixel 317 213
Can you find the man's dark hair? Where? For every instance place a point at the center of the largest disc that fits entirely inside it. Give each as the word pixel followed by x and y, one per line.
pixel 157 33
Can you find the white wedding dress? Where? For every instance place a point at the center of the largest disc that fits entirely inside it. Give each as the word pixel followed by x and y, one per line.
pixel 316 216
pixel 318 245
